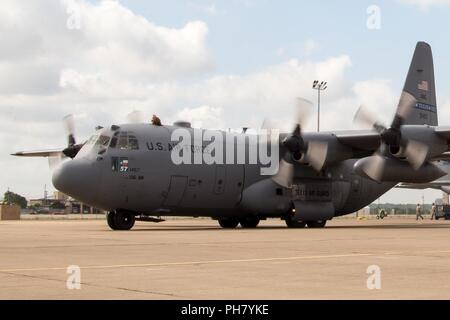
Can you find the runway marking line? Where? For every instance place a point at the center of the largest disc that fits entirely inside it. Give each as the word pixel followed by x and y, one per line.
pixel 187 263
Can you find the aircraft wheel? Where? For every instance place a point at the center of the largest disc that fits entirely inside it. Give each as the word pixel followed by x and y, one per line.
pixel 228 223
pixel 124 220
pixel 110 220
pixel 249 222
pixel 316 224
pixel 294 224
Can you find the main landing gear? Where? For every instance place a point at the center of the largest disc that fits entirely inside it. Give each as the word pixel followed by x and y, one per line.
pixel 301 224
pixel 245 222
pixel 120 220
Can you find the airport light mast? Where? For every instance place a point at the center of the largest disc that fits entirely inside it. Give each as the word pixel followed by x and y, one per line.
pixel 319 86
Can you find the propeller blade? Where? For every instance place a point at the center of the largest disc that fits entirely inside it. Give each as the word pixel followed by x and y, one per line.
pixel 316 154
pixel 375 167
pixel 364 116
pixel 285 174
pixel 416 153
pixel 405 105
pixel 69 123
pixel 304 108
pixel 267 127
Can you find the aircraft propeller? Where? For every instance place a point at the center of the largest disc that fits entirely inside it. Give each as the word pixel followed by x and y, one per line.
pixel 414 151
pixel 72 146
pixel 297 149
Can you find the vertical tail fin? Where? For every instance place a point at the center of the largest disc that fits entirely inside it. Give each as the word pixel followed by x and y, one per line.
pixel 420 83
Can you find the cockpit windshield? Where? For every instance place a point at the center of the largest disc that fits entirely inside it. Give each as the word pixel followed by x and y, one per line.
pixel 124 140
pixel 102 141
pixel 96 143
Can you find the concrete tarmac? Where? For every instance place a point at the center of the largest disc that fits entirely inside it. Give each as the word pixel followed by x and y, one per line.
pixel 195 259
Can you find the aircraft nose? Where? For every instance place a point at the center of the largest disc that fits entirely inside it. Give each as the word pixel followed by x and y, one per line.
pixel 77 178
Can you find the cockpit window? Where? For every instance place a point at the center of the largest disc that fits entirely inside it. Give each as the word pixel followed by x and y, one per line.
pixel 124 141
pixel 102 141
pixel 92 139
pixel 133 143
pixel 96 144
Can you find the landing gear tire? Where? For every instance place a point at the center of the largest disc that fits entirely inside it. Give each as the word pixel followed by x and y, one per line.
pixel 110 220
pixel 294 223
pixel 124 220
pixel 316 224
pixel 228 223
pixel 249 222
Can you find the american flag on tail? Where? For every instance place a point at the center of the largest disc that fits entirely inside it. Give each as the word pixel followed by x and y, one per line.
pixel 423 85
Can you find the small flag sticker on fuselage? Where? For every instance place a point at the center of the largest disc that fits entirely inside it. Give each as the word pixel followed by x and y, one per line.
pixel 123 165
pixel 423 86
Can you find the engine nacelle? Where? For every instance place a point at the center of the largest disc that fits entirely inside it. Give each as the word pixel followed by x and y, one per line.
pixel 266 198
pixel 425 135
pixel 335 150
pixel 395 170
pixel 446 189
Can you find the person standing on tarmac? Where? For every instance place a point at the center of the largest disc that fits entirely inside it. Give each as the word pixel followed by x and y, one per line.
pixel 418 212
pixel 433 211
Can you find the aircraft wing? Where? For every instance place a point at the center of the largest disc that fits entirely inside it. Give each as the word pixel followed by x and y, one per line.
pixel 445 156
pixel 435 185
pixel 361 140
pixel 370 140
pixel 443 185
pixel 40 153
pixel 443 131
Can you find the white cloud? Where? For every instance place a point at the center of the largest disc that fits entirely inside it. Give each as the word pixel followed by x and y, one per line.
pixel 209 9
pixel 309 47
pixel 304 49
pixel 203 117
pixel 425 4
pixel 112 43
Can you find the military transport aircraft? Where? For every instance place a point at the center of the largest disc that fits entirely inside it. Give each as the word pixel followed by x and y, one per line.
pixel 128 169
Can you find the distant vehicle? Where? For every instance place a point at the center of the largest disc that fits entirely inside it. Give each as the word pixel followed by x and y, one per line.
pixel 443 211
pixel 43 210
pixel 382 214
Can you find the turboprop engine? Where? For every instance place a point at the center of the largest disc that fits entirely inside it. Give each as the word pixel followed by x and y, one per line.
pixel 392 170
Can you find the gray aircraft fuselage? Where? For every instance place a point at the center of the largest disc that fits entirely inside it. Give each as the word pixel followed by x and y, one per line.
pixel 139 176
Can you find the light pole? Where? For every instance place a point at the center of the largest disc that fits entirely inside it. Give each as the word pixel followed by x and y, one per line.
pixel 319 86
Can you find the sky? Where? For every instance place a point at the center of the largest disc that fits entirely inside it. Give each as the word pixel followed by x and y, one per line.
pixel 218 64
